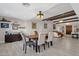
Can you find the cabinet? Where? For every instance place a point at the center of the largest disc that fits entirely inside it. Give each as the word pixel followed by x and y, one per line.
pixel 12 38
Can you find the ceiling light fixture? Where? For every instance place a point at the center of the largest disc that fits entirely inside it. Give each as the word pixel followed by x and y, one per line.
pixel 68 23
pixel 60 21
pixel 26 4
pixel 40 15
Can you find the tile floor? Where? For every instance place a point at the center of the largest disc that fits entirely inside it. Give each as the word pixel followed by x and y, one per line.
pixel 62 47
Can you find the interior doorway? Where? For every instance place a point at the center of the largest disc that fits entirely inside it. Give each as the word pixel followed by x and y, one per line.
pixel 68 29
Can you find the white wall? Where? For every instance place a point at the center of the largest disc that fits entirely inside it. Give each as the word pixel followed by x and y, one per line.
pixel 40 27
pixel 74 24
pixel 28 27
pixel 75 6
pixel 2 36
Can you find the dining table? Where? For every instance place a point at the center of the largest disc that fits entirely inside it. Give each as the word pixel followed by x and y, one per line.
pixel 35 38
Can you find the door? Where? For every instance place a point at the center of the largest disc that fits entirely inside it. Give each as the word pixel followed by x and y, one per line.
pixel 68 29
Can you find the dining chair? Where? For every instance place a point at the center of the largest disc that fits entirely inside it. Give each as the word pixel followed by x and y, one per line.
pixel 40 42
pixel 26 41
pixel 49 41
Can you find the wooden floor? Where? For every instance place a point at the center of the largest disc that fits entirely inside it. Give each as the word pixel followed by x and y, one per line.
pixel 62 47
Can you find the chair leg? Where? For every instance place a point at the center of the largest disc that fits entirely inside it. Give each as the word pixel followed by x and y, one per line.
pixel 44 46
pixel 25 49
pixel 51 43
pixel 48 45
pixel 39 48
pixel 33 47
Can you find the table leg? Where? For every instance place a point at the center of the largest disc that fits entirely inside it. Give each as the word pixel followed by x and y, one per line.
pixel 77 36
pixel 29 41
pixel 36 45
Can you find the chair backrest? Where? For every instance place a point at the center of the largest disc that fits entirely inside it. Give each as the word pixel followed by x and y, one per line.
pixel 50 36
pixel 36 33
pixel 41 39
pixel 25 39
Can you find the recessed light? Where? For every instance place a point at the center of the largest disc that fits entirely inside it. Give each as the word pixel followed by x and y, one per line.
pixel 61 21
pixel 68 23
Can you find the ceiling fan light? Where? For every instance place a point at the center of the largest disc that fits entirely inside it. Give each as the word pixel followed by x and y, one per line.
pixel 40 15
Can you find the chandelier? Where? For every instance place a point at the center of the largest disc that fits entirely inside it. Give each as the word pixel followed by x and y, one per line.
pixel 40 15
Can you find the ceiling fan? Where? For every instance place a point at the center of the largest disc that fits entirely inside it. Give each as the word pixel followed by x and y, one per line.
pixel 4 20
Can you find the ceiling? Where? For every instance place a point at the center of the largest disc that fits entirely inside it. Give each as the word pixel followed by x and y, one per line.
pixel 62 12
pixel 19 11
pixel 57 10
pixel 63 15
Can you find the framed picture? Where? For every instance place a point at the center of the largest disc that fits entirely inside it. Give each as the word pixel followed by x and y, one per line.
pixel 33 25
pixel 15 26
pixel 4 25
pixel 45 25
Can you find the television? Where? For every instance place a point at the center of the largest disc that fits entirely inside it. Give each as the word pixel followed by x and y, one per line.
pixel 4 25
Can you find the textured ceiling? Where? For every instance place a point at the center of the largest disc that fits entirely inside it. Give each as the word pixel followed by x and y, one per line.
pixel 19 11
